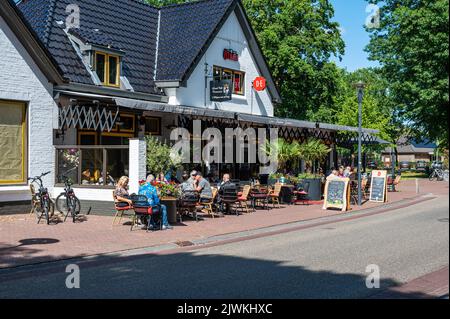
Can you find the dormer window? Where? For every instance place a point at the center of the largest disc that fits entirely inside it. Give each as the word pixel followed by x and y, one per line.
pixel 107 68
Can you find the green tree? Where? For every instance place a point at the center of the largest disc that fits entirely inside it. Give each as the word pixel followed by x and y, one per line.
pixel 298 39
pixel 412 46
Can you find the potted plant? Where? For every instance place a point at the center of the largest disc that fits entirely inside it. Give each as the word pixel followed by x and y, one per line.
pixel 311 151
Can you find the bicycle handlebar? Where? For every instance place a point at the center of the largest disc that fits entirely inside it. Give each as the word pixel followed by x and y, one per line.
pixel 38 177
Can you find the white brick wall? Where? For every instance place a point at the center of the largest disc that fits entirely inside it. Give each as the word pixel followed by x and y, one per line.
pixel 21 80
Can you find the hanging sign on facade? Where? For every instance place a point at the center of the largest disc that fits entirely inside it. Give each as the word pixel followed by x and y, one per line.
pixel 259 84
pixel 221 90
pixel 229 54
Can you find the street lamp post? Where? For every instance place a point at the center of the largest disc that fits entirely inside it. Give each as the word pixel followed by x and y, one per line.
pixel 360 86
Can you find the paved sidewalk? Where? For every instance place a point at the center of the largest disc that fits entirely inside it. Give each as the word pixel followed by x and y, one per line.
pixel 430 286
pixel 24 242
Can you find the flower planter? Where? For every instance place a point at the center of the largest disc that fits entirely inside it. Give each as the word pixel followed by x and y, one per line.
pixel 171 204
pixel 315 188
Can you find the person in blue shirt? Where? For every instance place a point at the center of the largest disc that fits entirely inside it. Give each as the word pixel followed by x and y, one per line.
pixel 151 193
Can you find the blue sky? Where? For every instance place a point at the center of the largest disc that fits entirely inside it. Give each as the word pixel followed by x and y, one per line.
pixel 351 15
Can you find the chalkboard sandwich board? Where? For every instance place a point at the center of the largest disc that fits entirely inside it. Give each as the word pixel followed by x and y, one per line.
pixel 337 194
pixel 378 187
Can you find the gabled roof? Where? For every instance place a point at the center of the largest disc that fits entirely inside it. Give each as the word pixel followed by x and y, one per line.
pixel 130 24
pixel 184 31
pixel 160 45
pixel 29 38
pixel 188 29
pixel 409 146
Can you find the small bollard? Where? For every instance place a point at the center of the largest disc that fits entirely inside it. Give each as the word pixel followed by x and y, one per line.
pixel 417 186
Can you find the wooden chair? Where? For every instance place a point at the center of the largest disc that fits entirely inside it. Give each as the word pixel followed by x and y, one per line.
pixel 274 195
pixel 301 194
pixel 187 204
pixel 243 199
pixel 120 211
pixel 396 182
pixel 364 188
pixel 208 207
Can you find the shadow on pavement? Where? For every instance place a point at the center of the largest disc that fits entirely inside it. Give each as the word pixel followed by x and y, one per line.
pixel 186 275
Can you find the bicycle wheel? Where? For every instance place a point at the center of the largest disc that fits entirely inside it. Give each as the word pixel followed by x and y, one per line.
pixel 46 208
pixel 74 206
pixel 61 204
pixel 433 176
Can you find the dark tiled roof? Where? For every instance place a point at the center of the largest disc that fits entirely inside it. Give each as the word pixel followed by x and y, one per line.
pixel 184 31
pixel 94 36
pixel 131 26
pixel 37 13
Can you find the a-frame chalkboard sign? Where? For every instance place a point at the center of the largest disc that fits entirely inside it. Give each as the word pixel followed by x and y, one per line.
pixel 378 187
pixel 337 194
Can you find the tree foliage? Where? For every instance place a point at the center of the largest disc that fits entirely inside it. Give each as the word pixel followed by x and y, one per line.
pixel 412 46
pixel 298 38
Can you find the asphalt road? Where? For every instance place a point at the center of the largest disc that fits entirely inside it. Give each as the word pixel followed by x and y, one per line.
pixel 322 262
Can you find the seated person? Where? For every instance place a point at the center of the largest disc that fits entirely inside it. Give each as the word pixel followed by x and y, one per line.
pixel 153 200
pixel 225 186
pixel 334 174
pixel 203 187
pixel 187 185
pixel 86 177
pixel 121 193
pixel 162 178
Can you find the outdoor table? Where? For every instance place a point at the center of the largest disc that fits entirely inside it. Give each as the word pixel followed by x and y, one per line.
pixel 259 194
pixel 286 194
pixel 171 204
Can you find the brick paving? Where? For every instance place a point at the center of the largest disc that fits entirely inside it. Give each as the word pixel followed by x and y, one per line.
pixel 23 242
pixel 433 285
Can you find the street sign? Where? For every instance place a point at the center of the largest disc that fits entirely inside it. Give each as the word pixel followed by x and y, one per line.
pixel 259 84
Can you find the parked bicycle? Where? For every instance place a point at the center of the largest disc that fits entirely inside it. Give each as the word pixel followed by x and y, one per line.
pixel 42 199
pixel 66 202
pixel 437 175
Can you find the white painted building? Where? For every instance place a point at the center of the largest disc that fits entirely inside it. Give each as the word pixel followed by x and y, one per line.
pixel 90 93
pixel 28 112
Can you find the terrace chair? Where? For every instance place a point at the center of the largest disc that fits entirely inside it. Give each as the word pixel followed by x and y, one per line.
pixel 188 204
pixel 396 182
pixel 243 199
pixel 364 189
pixel 208 207
pixel 120 210
pixel 301 194
pixel 274 195
pixel 141 208
pixel 260 195
pixel 230 197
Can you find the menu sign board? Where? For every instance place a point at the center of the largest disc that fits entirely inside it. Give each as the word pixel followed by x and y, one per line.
pixel 378 187
pixel 221 90
pixel 337 194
